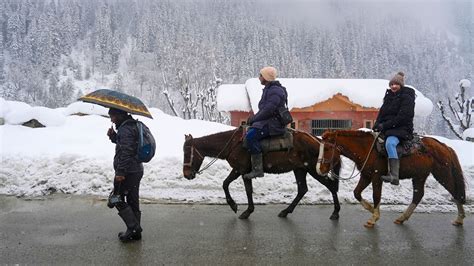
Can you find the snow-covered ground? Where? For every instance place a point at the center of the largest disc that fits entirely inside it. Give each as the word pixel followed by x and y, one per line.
pixel 73 155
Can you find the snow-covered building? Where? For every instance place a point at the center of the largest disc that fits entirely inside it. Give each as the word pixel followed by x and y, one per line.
pixel 317 104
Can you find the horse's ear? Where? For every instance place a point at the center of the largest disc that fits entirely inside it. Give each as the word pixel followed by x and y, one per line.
pixel 188 137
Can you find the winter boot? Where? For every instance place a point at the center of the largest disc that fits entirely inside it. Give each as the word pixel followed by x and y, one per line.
pixel 257 166
pixel 133 226
pixel 394 168
pixel 138 235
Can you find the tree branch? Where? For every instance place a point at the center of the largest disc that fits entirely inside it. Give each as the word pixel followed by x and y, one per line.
pixel 448 120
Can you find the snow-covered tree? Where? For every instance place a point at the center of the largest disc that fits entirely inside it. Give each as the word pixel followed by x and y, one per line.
pixel 118 82
pixel 461 110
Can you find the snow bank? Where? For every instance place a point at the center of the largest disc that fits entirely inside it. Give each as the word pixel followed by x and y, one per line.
pixel 76 157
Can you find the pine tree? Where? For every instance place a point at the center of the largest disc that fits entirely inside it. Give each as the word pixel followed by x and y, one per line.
pixel 118 82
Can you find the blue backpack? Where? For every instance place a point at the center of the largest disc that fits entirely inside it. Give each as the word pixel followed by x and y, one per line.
pixel 146 143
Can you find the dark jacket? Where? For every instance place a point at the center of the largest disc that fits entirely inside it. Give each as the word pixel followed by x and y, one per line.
pixel 126 140
pixel 397 112
pixel 273 97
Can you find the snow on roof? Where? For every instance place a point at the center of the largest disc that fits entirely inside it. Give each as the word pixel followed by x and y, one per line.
pixel 17 113
pixel 85 108
pixel 307 92
pixel 232 97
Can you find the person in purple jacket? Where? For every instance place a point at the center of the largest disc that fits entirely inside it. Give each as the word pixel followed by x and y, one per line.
pixel 265 122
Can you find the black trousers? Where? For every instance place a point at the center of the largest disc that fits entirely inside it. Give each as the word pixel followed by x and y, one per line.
pixel 129 191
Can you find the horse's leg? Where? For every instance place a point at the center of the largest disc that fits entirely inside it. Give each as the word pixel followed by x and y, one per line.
pixel 460 219
pixel 418 193
pixel 248 191
pixel 225 185
pixel 300 176
pixel 333 186
pixel 376 195
pixel 363 183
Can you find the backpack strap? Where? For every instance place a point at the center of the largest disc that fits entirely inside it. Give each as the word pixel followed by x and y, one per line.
pixel 125 122
pixel 140 133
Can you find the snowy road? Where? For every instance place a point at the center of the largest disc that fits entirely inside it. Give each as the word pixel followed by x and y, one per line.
pixel 81 230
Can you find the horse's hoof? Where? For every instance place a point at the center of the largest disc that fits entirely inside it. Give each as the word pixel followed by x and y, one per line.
pixel 456 223
pixel 283 214
pixel 369 225
pixel 244 215
pixel 400 222
pixel 232 205
pixel 334 216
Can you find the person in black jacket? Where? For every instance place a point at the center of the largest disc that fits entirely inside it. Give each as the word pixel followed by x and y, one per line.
pixel 395 121
pixel 128 172
pixel 265 122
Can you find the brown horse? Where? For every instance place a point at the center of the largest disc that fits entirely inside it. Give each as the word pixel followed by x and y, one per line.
pixel 438 159
pixel 301 159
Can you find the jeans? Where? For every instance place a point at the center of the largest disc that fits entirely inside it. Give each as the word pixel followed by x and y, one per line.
pixel 253 137
pixel 391 146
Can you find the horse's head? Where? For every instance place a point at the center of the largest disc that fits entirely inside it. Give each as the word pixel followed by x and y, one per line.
pixel 192 158
pixel 329 153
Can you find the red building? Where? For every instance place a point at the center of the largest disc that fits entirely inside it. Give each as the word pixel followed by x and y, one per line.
pixel 337 112
pixel 316 104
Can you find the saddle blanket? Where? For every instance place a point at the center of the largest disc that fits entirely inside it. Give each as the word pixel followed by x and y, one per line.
pixel 275 143
pixel 404 148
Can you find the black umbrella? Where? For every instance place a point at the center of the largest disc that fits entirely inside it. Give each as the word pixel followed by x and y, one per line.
pixel 118 100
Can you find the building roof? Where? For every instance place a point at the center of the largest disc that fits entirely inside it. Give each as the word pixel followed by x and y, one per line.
pixel 307 92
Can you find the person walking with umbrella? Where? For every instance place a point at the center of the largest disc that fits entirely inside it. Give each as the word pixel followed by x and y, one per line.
pixel 127 160
pixel 128 172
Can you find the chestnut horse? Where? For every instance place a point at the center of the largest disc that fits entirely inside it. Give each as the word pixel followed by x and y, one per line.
pixel 438 159
pixel 301 159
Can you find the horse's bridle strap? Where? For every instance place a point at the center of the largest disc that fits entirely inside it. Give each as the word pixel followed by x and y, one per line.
pixel 192 156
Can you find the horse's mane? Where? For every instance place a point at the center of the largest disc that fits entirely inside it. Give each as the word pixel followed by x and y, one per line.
pixel 224 135
pixel 350 133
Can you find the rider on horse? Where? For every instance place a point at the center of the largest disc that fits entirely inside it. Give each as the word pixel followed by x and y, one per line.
pixel 395 121
pixel 265 122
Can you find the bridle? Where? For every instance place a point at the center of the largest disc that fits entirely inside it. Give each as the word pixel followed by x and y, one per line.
pixel 191 157
pixel 194 149
pixel 321 158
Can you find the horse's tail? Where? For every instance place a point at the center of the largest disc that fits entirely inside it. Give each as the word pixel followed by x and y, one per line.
pixel 451 161
pixel 459 181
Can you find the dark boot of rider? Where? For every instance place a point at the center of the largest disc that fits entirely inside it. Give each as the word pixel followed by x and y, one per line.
pixel 257 166
pixel 138 235
pixel 133 226
pixel 394 168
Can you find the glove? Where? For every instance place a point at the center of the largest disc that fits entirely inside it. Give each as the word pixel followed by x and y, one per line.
pixel 378 127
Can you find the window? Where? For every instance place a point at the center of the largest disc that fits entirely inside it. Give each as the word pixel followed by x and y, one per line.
pixel 368 124
pixel 319 126
pixel 293 125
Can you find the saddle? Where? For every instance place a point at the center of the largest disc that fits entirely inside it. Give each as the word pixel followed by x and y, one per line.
pixel 404 148
pixel 275 143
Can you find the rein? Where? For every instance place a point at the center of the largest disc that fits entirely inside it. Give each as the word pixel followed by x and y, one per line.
pixel 202 157
pixel 340 148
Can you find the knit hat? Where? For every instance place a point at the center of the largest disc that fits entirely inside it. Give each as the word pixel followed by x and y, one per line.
pixel 269 73
pixel 399 79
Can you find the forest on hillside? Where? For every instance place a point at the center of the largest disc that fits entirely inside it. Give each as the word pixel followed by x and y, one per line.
pixel 173 54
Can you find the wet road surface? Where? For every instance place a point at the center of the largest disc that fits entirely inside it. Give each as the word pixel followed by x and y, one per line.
pixel 82 230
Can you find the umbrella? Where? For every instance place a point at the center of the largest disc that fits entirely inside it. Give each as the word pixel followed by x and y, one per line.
pixel 118 100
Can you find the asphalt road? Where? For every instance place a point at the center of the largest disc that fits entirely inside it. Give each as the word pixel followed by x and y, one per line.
pixel 82 230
